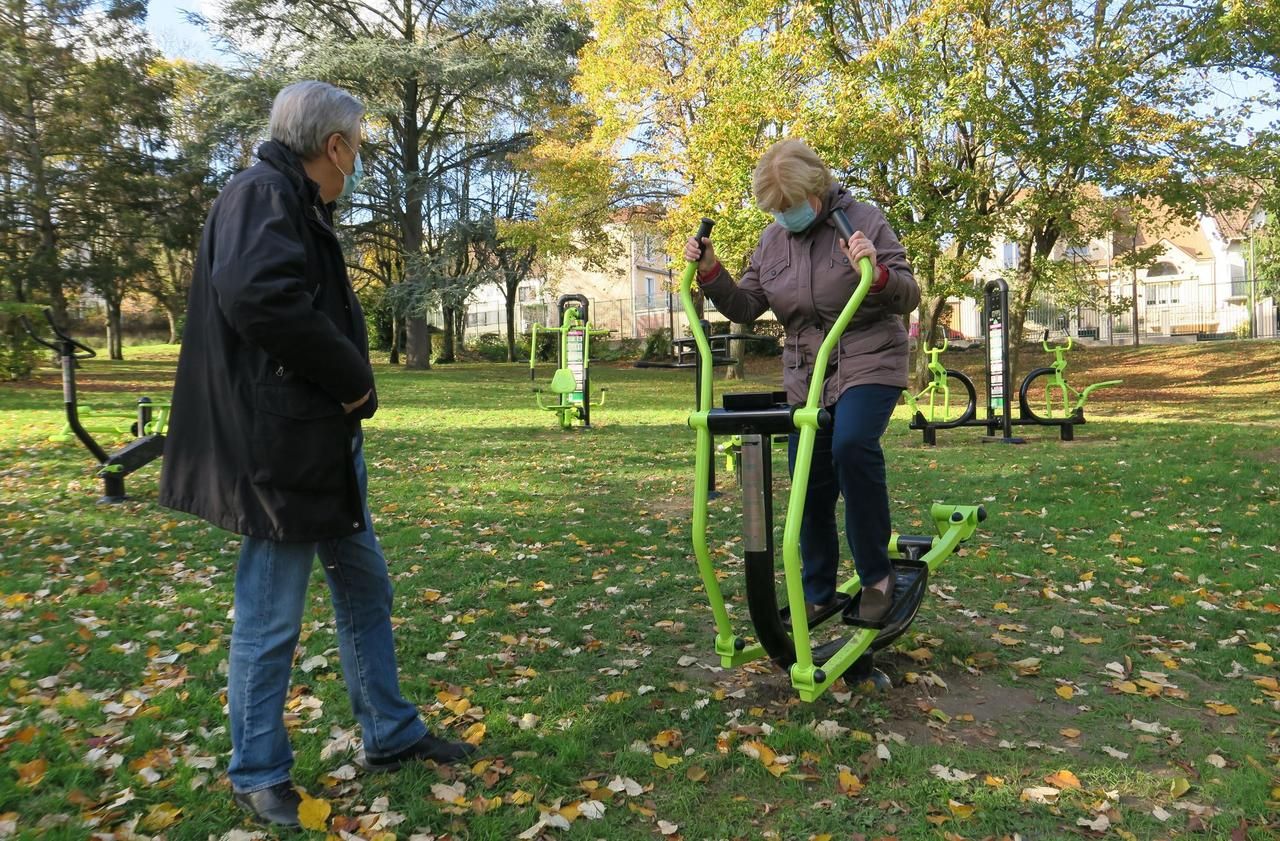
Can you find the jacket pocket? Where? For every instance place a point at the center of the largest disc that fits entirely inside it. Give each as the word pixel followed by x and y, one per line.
pixel 776 268
pixel 300 439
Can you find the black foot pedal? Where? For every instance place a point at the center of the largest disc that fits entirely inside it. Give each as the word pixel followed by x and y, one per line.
pixel 909 585
pixel 839 606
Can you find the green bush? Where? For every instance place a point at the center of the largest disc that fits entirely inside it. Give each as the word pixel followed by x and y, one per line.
pixel 18 353
pixel 491 347
pixel 618 350
pixel 657 345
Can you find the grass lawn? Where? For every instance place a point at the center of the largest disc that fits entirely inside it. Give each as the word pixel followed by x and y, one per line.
pixel 1099 661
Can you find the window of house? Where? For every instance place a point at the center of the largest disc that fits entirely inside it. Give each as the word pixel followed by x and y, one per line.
pixel 1239 282
pixel 524 294
pixel 1078 251
pixel 1010 255
pixel 1162 269
pixel 650 288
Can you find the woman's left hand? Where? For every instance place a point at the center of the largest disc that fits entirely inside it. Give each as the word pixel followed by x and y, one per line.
pixel 858 247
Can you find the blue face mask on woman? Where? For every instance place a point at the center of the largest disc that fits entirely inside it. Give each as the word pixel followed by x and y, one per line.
pixel 350 182
pixel 797 218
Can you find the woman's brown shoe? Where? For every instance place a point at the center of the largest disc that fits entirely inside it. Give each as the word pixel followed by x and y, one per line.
pixel 874 604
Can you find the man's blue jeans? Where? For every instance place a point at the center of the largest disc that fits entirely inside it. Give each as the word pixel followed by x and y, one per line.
pixel 271 595
pixel 848 461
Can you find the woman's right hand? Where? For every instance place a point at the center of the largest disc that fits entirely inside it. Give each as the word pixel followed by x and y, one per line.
pixel 706 259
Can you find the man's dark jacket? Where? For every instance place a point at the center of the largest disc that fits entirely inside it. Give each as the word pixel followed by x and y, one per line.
pixel 275 343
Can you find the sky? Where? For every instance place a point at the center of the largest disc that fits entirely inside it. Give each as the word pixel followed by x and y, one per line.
pixel 167 23
pixel 178 38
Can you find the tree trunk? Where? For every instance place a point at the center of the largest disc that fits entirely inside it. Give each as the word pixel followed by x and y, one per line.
pixel 115 345
pixel 460 330
pixel 738 370
pixel 446 352
pixel 930 310
pixel 172 314
pixel 417 351
pixel 417 347
pixel 511 327
pixel 394 358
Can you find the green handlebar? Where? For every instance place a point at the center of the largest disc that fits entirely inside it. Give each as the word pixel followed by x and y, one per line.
pixel 824 352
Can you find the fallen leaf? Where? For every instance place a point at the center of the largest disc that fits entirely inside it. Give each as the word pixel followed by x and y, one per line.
pixel 313 813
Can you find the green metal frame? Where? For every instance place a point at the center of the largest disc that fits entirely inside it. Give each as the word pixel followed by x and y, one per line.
pixel 1059 381
pixel 937 383
pixel 570 402
pixel 954 523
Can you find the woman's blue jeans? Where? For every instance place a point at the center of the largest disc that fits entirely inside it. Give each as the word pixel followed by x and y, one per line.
pixel 271 595
pixel 848 461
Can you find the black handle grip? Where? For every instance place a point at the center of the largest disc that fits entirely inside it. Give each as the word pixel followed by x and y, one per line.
pixel 704 231
pixel 842 223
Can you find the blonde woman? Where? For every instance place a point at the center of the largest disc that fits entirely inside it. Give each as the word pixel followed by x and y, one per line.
pixel 805 272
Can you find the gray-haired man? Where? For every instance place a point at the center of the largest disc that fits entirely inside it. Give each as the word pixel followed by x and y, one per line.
pixel 265 441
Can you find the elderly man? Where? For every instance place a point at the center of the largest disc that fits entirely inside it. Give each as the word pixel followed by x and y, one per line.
pixel 265 441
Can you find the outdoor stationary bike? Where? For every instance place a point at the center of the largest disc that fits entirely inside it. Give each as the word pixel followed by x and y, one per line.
pixel 1039 387
pixel 148 427
pixel 944 413
pixel 571 383
pixel 784 634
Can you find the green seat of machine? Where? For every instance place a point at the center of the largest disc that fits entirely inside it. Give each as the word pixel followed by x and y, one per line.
pixel 571 383
pixel 783 634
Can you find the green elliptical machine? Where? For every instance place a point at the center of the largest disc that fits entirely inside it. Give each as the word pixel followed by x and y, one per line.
pixel 571 383
pixel 784 634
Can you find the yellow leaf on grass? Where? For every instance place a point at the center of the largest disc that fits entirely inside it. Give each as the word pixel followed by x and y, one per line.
pixel 474 734
pixel 1259 646
pixel 663 761
pixel 1179 787
pixel 696 774
pixel 571 812
pixel 1090 640
pixel 1064 692
pixel 667 739
pixel 519 797
pixel 617 697
pixel 1027 665
pixel 313 813
pixel 31 773
pixel 1063 779
pixel 994 782
pixel 1128 687
pixel 758 750
pixel 1069 732
pixel 960 810
pixel 161 817
pixel 848 783
pixel 1222 709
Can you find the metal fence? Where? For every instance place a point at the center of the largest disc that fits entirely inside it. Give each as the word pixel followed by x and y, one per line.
pixel 628 318
pixel 1206 314
pixel 1202 316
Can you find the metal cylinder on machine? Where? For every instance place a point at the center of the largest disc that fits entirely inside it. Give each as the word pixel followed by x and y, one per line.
pixel 842 223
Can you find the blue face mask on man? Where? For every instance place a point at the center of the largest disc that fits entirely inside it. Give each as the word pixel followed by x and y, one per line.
pixel 798 218
pixel 350 182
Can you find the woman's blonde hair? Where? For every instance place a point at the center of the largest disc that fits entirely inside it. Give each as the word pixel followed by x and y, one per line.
pixel 787 173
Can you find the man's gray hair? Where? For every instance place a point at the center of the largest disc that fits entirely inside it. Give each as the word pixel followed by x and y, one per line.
pixel 305 114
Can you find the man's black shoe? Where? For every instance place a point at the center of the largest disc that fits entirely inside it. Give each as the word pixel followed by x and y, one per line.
pixel 274 806
pixel 428 747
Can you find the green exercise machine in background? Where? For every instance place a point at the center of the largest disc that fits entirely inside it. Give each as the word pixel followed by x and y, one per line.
pixel 571 383
pixel 784 635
